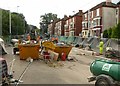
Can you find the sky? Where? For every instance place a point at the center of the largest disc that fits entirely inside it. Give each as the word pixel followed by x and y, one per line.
pixel 33 9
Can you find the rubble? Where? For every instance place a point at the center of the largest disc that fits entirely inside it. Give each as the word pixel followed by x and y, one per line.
pixel 72 58
pixel 55 64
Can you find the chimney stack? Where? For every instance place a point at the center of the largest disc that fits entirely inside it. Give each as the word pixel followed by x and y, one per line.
pixel 108 2
pixel 80 12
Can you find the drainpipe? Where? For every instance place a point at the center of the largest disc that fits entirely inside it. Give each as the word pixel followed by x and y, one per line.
pixel 88 23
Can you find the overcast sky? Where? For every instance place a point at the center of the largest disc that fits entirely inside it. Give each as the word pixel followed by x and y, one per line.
pixel 33 9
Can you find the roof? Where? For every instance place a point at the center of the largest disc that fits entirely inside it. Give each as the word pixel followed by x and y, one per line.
pixel 118 3
pixel 103 4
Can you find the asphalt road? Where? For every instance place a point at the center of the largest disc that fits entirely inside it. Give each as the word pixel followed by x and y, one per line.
pixel 71 72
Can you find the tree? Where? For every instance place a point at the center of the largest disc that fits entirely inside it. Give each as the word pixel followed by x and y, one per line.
pixel 109 31
pixel 113 33
pixel 18 24
pixel 5 22
pixel 46 20
pixel 116 31
pixel 105 34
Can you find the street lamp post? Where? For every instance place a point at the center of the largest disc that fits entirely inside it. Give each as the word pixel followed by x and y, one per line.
pixel 0 22
pixel 9 25
pixel 17 20
pixel 89 23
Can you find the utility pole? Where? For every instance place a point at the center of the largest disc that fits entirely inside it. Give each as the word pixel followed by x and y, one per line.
pixel 10 25
pixel 17 20
pixel 88 23
pixel 0 22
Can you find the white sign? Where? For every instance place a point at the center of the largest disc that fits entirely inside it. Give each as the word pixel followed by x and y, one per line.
pixel 106 67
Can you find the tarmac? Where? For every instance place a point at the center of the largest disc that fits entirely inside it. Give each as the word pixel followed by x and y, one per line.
pixel 74 71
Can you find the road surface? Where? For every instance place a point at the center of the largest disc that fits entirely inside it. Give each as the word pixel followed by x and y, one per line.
pixel 71 72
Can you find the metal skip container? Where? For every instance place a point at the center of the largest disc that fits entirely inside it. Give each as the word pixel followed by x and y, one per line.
pixel 29 50
pixel 107 67
pixel 58 49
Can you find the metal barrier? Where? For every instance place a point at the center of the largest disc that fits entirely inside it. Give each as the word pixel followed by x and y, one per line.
pixel 75 40
pixel 114 43
pixel 70 40
pixel 93 42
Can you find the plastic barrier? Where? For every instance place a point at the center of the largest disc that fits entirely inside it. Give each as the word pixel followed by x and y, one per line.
pixel 112 43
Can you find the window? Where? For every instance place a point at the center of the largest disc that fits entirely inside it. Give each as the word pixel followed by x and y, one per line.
pixel 85 16
pixel 83 25
pixel 98 11
pixel 94 23
pixel 89 24
pixel 89 14
pixel 117 11
pixel 72 33
pixel 73 19
pixel 85 33
pixel 82 33
pixel 92 14
pixel 98 21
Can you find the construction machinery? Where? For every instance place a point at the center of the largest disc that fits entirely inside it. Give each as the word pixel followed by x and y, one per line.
pixel 106 72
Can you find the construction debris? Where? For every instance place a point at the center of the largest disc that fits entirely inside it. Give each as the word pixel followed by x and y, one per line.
pixel 80 54
pixel 72 58
pixel 55 64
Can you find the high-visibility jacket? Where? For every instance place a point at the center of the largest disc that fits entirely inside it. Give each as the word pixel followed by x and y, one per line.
pixel 101 47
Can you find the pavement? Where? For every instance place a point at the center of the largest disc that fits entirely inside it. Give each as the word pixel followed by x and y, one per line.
pixel 71 72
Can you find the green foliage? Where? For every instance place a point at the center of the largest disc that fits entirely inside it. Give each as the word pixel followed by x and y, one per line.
pixel 105 34
pixel 113 32
pixel 113 35
pixel 46 20
pixel 5 22
pixel 18 23
pixel 109 31
pixel 116 31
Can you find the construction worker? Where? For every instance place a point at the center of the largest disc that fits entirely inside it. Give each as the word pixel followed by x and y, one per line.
pixel 101 47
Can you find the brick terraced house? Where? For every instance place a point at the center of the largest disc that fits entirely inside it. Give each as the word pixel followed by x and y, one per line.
pixel 98 19
pixel 73 24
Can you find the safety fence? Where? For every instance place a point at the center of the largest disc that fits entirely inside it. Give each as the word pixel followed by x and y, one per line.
pixel 92 42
